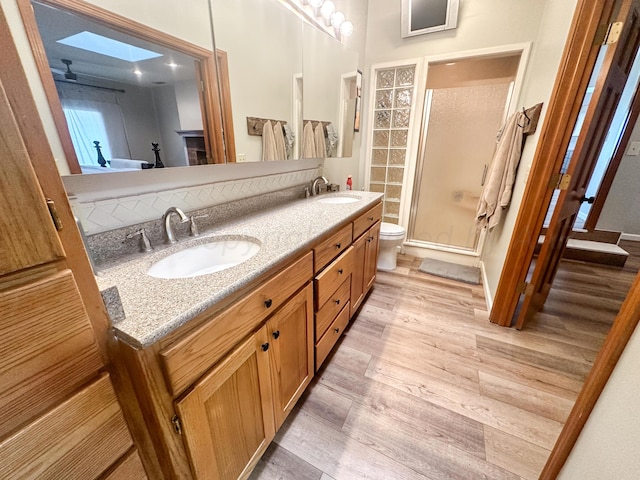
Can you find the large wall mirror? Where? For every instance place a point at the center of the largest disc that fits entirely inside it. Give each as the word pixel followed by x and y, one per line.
pixel 130 87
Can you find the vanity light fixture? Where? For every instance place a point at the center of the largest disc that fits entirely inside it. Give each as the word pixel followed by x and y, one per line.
pixel 327 9
pixel 324 15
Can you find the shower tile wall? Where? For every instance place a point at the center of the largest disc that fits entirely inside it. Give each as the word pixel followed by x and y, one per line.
pixel 392 111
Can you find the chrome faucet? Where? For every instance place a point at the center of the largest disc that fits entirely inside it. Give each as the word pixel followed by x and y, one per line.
pixel 169 236
pixel 315 185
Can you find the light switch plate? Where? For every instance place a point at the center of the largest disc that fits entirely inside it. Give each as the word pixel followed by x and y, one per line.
pixel 634 149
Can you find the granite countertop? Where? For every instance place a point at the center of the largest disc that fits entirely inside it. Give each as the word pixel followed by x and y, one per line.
pixel 154 307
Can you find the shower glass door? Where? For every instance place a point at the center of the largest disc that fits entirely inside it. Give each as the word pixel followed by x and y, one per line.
pixel 458 141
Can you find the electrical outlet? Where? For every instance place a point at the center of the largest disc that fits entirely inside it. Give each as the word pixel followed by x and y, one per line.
pixel 634 149
pixel 241 157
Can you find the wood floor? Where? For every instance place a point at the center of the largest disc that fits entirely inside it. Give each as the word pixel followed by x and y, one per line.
pixel 422 385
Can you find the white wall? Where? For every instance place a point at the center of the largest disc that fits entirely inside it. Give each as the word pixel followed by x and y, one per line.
pixel 608 447
pixel 621 211
pixel 172 151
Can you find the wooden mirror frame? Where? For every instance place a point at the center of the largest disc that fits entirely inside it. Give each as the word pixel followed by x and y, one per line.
pixel 206 71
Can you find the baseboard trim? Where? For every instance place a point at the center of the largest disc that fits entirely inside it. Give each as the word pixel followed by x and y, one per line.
pixel 632 237
pixel 488 298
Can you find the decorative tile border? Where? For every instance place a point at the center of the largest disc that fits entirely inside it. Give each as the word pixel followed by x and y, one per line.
pixel 104 215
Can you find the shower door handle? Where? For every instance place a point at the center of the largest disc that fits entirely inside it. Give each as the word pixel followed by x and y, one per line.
pixel 484 175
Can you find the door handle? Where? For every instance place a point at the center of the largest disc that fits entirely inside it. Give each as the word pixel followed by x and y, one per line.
pixel 589 200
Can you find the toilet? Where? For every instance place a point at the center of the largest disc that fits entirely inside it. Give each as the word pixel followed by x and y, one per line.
pixel 391 237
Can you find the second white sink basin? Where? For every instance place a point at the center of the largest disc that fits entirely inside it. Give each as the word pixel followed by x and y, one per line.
pixel 210 257
pixel 340 199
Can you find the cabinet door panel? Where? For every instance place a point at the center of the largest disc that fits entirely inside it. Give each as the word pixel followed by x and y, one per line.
pixel 371 260
pixel 227 417
pixel 357 273
pixel 28 235
pixel 291 336
pixel 47 347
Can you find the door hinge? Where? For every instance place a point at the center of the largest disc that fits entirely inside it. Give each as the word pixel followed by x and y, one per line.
pixel 177 424
pixel 202 86
pixel 524 288
pixel 608 34
pixel 560 181
pixel 54 214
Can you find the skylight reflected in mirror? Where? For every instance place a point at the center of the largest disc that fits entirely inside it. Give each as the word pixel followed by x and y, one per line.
pixel 107 46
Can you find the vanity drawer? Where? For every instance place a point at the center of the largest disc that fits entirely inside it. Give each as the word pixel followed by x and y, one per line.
pixel 331 247
pixel 331 336
pixel 332 277
pixel 329 310
pixel 186 360
pixel 366 220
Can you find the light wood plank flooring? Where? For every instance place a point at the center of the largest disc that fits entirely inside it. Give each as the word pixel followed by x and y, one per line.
pixel 423 386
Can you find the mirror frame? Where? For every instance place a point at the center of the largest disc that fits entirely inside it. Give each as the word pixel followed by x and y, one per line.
pixel 207 73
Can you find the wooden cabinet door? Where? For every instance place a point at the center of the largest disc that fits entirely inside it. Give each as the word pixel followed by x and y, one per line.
pixel 291 337
pixel 357 274
pixel 29 236
pixel 227 418
pixel 371 259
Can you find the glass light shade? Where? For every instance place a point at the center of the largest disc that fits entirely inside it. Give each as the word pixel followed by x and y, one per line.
pixel 337 19
pixel 327 9
pixel 315 3
pixel 346 29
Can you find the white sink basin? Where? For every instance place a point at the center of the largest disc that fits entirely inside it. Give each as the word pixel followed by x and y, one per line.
pixel 337 200
pixel 202 259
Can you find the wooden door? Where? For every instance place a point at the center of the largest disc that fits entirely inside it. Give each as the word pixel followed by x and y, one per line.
pixel 371 258
pixel 29 236
pixel 291 353
pixel 357 273
pixel 227 418
pixel 614 72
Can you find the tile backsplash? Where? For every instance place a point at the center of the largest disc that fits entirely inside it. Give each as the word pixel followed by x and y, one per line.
pixel 104 215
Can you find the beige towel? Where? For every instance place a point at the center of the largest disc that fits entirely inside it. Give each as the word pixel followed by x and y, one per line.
pixel 268 143
pixel 281 149
pixel 496 193
pixel 308 142
pixel 321 146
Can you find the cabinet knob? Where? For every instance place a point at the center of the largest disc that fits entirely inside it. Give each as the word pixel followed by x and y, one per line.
pixel 276 334
pixel 337 330
pixel 340 271
pixel 265 347
pixel 337 302
pixel 338 245
pixel 369 239
pixel 268 302
pixel 370 219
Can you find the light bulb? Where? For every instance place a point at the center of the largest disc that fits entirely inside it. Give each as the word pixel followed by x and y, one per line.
pixel 315 3
pixel 327 9
pixel 346 29
pixel 337 19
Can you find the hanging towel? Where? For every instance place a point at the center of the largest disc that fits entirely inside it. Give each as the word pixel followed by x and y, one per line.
pixel 332 140
pixel 268 143
pixel 318 136
pixel 278 135
pixel 496 194
pixel 308 142
pixel 289 139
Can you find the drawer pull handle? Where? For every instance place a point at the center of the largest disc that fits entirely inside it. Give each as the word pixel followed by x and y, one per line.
pixel 337 302
pixel 268 303
pixel 276 334
pixel 265 347
pixel 370 219
pixel 338 245
pixel 340 271
pixel 337 330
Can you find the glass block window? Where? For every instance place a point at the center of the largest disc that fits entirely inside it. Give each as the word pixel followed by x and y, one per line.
pixel 392 111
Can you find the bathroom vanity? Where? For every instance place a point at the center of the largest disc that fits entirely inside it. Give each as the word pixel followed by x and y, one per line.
pixel 218 361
